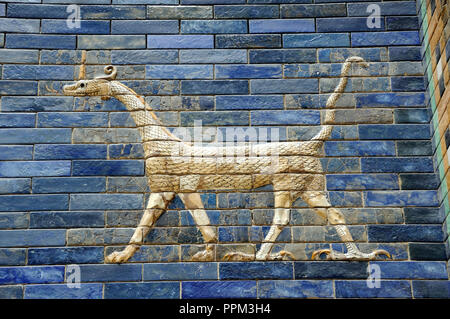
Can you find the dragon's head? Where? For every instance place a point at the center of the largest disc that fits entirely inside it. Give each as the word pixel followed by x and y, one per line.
pixel 100 86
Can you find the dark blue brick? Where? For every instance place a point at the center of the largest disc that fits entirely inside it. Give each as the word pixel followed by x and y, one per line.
pixel 32 136
pixel 213 56
pixel 404 131
pixel 74 151
pixel 17 120
pixel 31 275
pixel 344 25
pixel 15 186
pixel 405 233
pixel 180 271
pixel 214 87
pixel 250 102
pixel 360 148
pixel 283 56
pixel 37 11
pixel 390 99
pixel 437 289
pixel 402 198
pixel 86 27
pixel 18 88
pixel 12 257
pixel 295 289
pixel 145 290
pixel 18 238
pixel 285 117
pixel 405 54
pixel 16 152
pixel 66 219
pixel 212 26
pixel 347 199
pixel 122 272
pixel 284 86
pixel 105 168
pixel 35 103
pixel 412 269
pixel 407 83
pixel 422 215
pixel 40 41
pixel 218 289
pixel 15 203
pixel 105 201
pixel 256 270
pixel 248 71
pixel 144 56
pixel 412 116
pixel 398 164
pixel 360 289
pixel 144 27
pixel 419 181
pixel 180 41
pixel 281 25
pixel 25 169
pixel 112 12
pixel 65 255
pixel 317 40
pixel 245 12
pixel 11 292
pixel 313 10
pixel 126 151
pixel 330 270
pixel 417 148
pixel 234 234
pixel 362 182
pixel 76 119
pixel 402 23
pixel 179 72
pixel 248 41
pixel 387 8
pixel 420 251
pixel 85 291
pixel 69 185
pixel 367 39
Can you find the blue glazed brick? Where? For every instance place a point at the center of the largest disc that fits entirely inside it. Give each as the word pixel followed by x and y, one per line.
pixel 390 99
pixel 346 199
pixel 180 271
pixel 40 41
pixel 420 251
pixel 218 289
pixel 284 86
pixel 283 56
pixel 66 219
pixel 255 270
pixel 422 215
pixel 123 167
pixel 85 291
pixel 295 289
pixel 112 12
pixel 123 272
pixel 105 201
pixel 365 39
pixel 65 255
pixel 419 181
pixel 213 26
pixel 19 56
pixel 144 56
pixel 213 56
pixel 12 257
pixel 145 290
pixel 345 25
pixel 214 87
pixel 437 289
pixel 2 10
pixel 313 10
pixel 69 185
pixel 402 23
pixel 251 102
pixel 22 169
pixel 143 27
pixel 408 83
pixel 18 88
pixel 31 275
pixel 234 234
pixel 179 72
pixel 387 8
pixel 76 119
pixel 38 72
pixel 412 269
pixel 14 185
pixel 17 203
pixel 37 11
pixel 360 148
pixel 330 270
pixel 398 164
pixel 212 1
pixel 281 25
pixel 360 289
pixel 111 42
pixel 317 40
pixel 41 103
pixel 285 117
pixel 19 25
pixel 73 151
pixel 179 12
pixel 412 116
pixel 18 238
pixel 245 12
pixel 405 148
pixel 405 233
pixel 340 54
pixel 11 292
pixel 404 131
pixel 126 151
pixel 17 120
pixel 14 220
pixel 402 198
pixel 180 41
pixel 248 71
pixel 405 54
pixel 248 41
pixel 362 181
pixel 86 27
pixel 16 152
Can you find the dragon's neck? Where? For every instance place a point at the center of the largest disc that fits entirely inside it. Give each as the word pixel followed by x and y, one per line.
pixel 150 127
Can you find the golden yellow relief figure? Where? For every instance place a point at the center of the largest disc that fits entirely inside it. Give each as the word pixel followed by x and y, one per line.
pixel 176 167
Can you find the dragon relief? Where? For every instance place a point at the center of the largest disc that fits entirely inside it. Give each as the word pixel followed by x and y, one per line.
pixel 173 167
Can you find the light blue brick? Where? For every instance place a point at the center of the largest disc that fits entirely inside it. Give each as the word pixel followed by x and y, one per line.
pixel 401 198
pixel 213 26
pixel 245 11
pixel 71 151
pixel 35 237
pixel 282 25
pixel 218 289
pixel 38 72
pixel 179 71
pixel 214 87
pixel 16 152
pixel 285 117
pixel 340 54
pixel 143 27
pixel 12 257
pixel 367 39
pixel 63 291
pixel 248 71
pixel 40 41
pixel 295 289
pixel 390 99
pixel 112 12
pixel 65 255
pixel 19 25
pixel 38 11
pixel 250 102
pixel 66 219
pixel 345 199
pixel 346 25
pixel 180 41
pixel 19 56
pixel 144 56
pixel 31 275
pixel 387 8
pixel 34 103
pixel 180 271
pixel 398 164
pixel 282 56
pixel 2 10
pixel 144 290
pixel 69 185
pixel 284 86
pixel 360 289
pixel 86 27
pixel 24 169
pixel 214 118
pixel 317 40
pixel 14 186
pixel 106 201
pixel 11 292
pixel 213 56
pixel 362 181
pixel 76 119
pixel 111 42
pixel 17 120
pixel 18 88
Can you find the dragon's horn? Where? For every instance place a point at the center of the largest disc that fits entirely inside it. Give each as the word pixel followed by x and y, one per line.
pixel 111 73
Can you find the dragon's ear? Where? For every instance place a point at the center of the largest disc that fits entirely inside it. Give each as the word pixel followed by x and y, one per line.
pixel 105 98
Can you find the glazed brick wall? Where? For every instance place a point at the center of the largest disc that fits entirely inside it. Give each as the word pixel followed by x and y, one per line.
pixel 72 179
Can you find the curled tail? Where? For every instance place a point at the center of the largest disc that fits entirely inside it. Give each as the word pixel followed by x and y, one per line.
pixel 325 131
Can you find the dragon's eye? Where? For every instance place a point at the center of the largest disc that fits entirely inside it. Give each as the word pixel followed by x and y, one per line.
pixel 82 85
